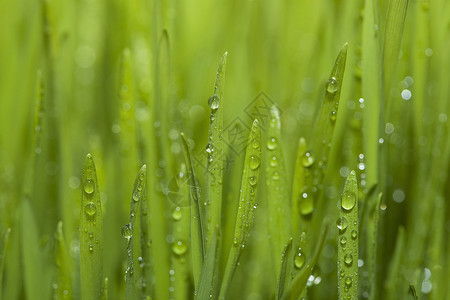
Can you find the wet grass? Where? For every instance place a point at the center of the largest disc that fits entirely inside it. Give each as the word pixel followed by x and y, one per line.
pixel 245 184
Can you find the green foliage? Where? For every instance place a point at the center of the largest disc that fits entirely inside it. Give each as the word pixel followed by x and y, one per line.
pixel 243 204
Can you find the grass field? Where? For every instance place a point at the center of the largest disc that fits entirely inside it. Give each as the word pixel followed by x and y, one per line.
pixel 224 149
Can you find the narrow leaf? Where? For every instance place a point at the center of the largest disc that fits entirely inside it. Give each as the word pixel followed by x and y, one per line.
pixel 285 269
pixel 63 267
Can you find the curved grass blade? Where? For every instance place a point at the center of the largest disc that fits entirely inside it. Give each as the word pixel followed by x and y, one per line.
pixel 181 235
pixel 285 269
pixel 247 205
pixel 3 256
pixel 348 240
pixel 298 284
pixel 63 267
pixel 206 286
pixel 279 222
pixel 372 244
pixel 392 283
pixel 128 231
pixel 214 149
pixel 91 234
pixel 412 292
pixel 322 135
pixel 197 233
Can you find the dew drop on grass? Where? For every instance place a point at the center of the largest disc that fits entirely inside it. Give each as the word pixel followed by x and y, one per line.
pixel 91 248
pixel 213 102
pixel 135 196
pixel 272 143
pixel 307 160
pixel 179 248
pixel 306 204
pixel 348 200
pixel 177 214
pixel 343 241
pixel 209 148
pixel 89 186
pixel 273 161
pixel 90 209
pixel 354 234
pixel 275 175
pixel 254 162
pixel 252 180
pixel 299 259
pixel 332 85
pixel 348 281
pixel 348 259
pixel 341 223
pixel 126 231
pixel 255 144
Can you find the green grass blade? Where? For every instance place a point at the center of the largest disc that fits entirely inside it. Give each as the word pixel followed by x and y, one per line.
pixel 298 283
pixel 285 269
pixel 299 181
pixel 197 233
pixel 393 35
pixel 128 231
pixel 279 222
pixel 214 149
pixel 63 267
pixel 105 289
pixel 393 279
pixel 144 263
pixel 206 286
pixel 348 240
pixel 246 207
pixel 36 285
pixel 412 292
pixel 181 235
pixel 91 234
pixel 3 256
pixel 322 134
pixel 372 244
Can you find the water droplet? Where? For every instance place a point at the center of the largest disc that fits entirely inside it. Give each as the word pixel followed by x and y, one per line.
pixel 354 234
pixel 299 260
pixel 91 235
pixel 306 204
pixel 91 248
pixel 307 160
pixel 341 223
pixel 254 162
pixel 235 241
pixel 333 115
pixel 348 259
pixel 136 196
pixel 252 180
pixel 272 143
pixel 332 85
pixel 179 248
pixel 273 161
pixel 341 273
pixel 89 186
pixel 126 231
pixel 177 214
pixel 255 144
pixel 343 241
pixel 348 281
pixel 90 209
pixel 209 148
pixel 348 200
pixel 213 102
pixel 275 175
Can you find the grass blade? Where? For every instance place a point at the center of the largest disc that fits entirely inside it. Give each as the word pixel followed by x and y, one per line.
pixel 285 269
pixel 181 235
pixel 247 205
pixel 206 286
pixel 299 282
pixel 91 234
pixel 214 148
pixel 280 227
pixel 2 262
pixel 348 240
pixel 302 162
pixel 105 289
pixel 197 233
pixel 63 267
pixel 145 261
pixel 128 231
pixel 393 279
